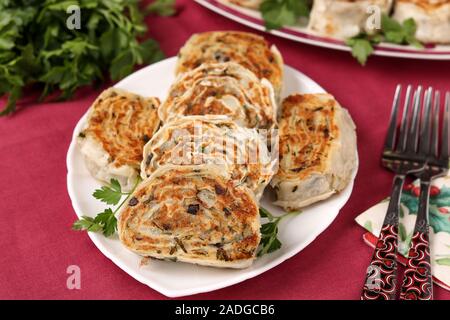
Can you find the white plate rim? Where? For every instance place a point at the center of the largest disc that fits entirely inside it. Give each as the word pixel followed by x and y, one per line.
pixel 207 288
pixel 237 14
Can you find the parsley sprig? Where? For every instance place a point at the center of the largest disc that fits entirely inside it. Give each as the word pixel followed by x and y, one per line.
pixel 279 13
pixel 269 231
pixel 391 31
pixel 105 221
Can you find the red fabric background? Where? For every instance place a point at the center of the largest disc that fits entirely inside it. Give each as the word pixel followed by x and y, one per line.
pixel 37 244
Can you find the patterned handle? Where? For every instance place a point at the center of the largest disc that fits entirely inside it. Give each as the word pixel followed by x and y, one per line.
pixel 418 282
pixel 381 278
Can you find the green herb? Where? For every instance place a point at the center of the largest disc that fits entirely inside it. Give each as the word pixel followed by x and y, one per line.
pixel 105 221
pixel 279 13
pixel 394 32
pixel 162 7
pixel 269 232
pixel 391 31
pixel 110 194
pixel 443 262
pixel 39 47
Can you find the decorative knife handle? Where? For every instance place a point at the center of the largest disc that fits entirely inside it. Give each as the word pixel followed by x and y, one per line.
pixel 381 277
pixel 417 281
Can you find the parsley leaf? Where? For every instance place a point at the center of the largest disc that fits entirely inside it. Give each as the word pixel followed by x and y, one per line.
pixel 269 232
pixel 109 194
pixel 163 8
pixel 279 13
pixel 362 48
pixel 108 222
pixel 86 223
pixel 395 32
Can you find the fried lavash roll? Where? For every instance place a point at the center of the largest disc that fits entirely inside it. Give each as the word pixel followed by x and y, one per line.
pixel 317 150
pixel 248 49
pixel 432 18
pixel 197 140
pixel 192 214
pixel 344 18
pixel 222 89
pixel 118 126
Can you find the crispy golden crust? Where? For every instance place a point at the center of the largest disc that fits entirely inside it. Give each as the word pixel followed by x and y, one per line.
pixel 193 214
pixel 122 123
pixel 211 139
pixel 222 89
pixel 247 49
pixel 307 128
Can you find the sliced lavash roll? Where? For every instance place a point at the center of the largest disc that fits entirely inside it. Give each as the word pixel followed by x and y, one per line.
pixel 432 18
pixel 193 214
pixel 317 146
pixel 222 89
pixel 119 124
pixel 249 50
pixel 345 18
pixel 197 140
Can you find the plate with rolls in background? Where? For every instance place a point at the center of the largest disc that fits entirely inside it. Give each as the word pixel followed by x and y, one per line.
pixel 212 167
pixel 418 29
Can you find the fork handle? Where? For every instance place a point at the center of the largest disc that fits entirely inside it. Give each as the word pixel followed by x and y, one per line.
pixel 418 281
pixel 381 277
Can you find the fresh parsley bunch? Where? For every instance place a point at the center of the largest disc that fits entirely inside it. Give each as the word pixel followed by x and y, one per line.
pixel 37 46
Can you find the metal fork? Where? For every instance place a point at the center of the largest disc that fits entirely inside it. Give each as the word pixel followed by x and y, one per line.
pixel 417 283
pixel 400 156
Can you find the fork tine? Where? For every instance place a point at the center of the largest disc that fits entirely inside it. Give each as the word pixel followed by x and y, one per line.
pixel 414 123
pixel 425 130
pixel 445 129
pixel 404 122
pixel 435 133
pixel 391 135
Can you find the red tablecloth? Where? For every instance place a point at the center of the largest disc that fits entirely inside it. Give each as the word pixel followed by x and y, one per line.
pixel 36 241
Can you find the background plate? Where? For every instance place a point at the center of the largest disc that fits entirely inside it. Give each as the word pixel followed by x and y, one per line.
pixel 180 279
pixel 252 18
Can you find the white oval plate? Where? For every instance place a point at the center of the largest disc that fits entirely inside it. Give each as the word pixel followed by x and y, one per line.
pixel 252 19
pixel 181 279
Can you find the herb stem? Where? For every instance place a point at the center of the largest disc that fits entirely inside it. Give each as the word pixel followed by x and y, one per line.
pixel 128 194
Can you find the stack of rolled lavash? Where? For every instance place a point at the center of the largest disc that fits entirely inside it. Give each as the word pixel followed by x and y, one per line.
pixel 205 168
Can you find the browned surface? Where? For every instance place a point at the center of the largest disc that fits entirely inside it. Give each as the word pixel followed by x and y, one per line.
pixel 210 233
pixel 247 49
pixel 307 127
pixel 122 123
